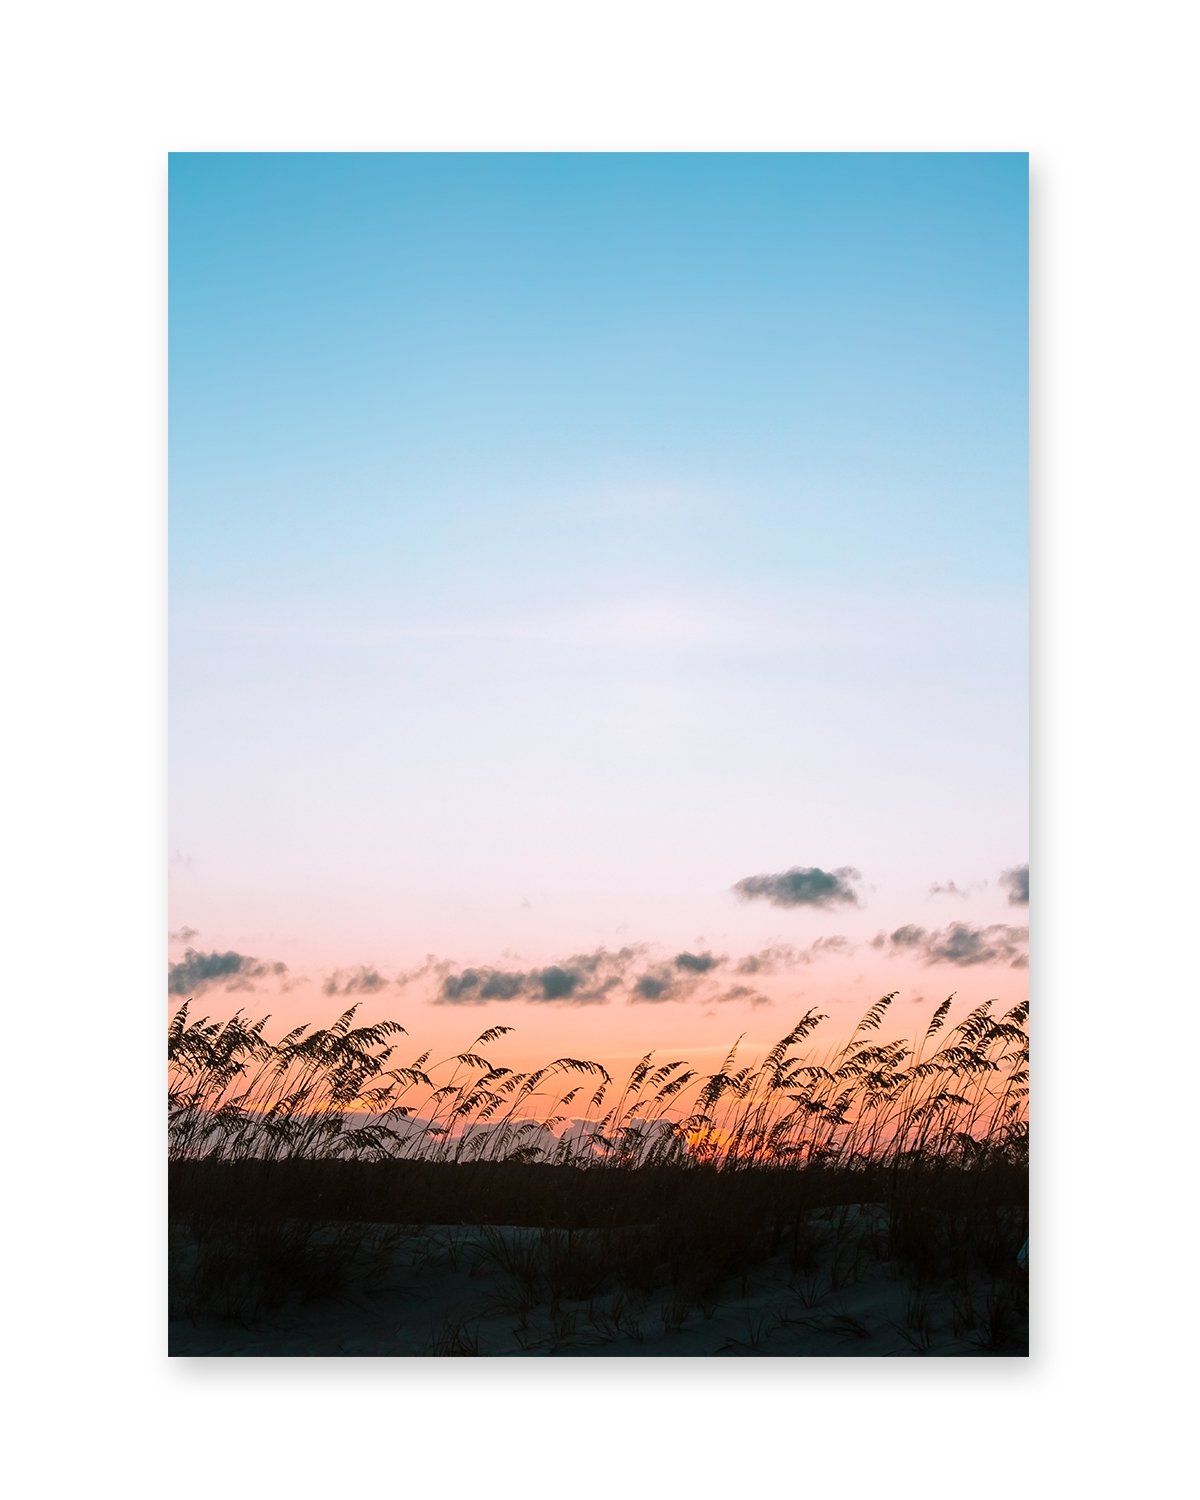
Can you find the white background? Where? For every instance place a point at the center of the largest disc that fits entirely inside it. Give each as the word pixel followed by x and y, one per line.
pixel 93 97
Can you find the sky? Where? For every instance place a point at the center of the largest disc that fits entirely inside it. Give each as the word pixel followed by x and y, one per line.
pixel 598 590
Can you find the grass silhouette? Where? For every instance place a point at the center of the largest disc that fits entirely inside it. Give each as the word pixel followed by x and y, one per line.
pixel 297 1166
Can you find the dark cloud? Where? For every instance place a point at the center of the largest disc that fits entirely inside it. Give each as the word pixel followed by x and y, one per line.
pixel 802 887
pixel 959 944
pixel 964 945
pixel 687 974
pixel 196 972
pixel 184 935
pixel 651 988
pixel 499 984
pixel 466 988
pixel 909 937
pixel 360 981
pixel 1017 881
pixel 558 983
pixel 697 963
pixel 586 979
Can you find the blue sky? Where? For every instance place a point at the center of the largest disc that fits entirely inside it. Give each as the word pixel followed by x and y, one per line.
pixel 837 344
pixel 557 540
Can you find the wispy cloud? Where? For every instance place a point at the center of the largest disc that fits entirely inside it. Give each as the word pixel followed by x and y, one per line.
pixel 770 960
pixel 782 956
pixel 949 889
pixel 820 946
pixel 361 981
pixel 196 972
pixel 653 622
pixel 744 994
pixel 184 935
pixel 802 886
pixel 959 944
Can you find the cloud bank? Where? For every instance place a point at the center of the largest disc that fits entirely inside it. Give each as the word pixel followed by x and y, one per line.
pixel 197 972
pixel 959 944
pixel 631 974
pixel 585 979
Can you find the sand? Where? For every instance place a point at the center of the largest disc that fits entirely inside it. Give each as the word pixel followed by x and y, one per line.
pixel 446 1290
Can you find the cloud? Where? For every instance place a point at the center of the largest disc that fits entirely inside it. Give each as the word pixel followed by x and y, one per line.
pixel 494 984
pixel 802 887
pixel 770 960
pixel 905 937
pixel 687 974
pixel 196 972
pixel 585 979
pixel 1017 881
pixel 949 889
pixel 785 956
pixel 959 944
pixel 634 974
pixel 558 983
pixel 964 945
pixel 697 963
pixel 184 935
pixel 834 944
pixel 360 981
pixel 478 986
pixel 652 988
pixel 595 978
pixel 432 965
pixel 745 994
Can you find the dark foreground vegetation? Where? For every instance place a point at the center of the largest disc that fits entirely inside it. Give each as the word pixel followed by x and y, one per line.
pixel 869 1200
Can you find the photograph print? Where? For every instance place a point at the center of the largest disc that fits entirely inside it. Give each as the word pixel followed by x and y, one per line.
pixel 598 755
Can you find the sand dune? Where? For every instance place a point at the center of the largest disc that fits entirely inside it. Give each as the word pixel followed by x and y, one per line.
pixel 448 1290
